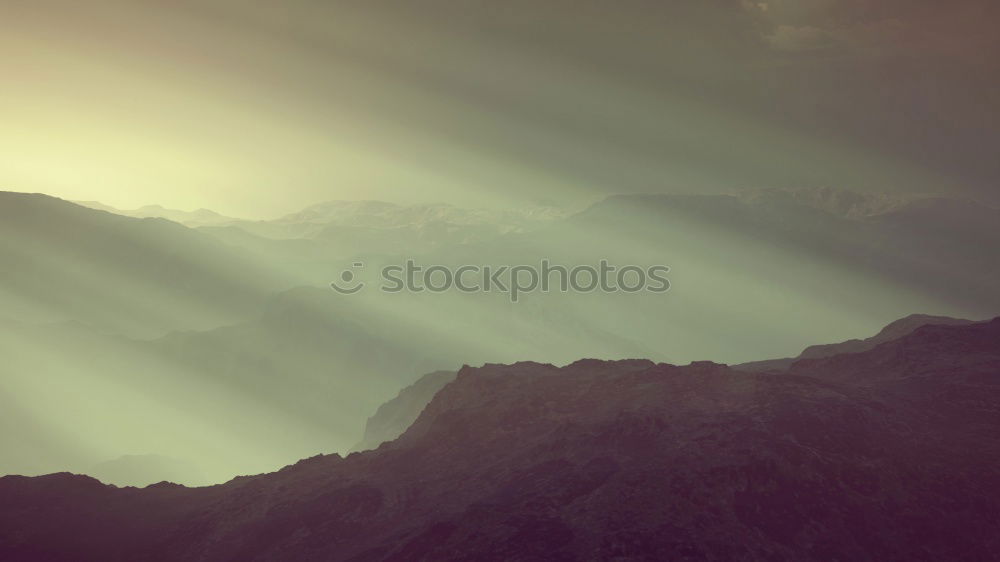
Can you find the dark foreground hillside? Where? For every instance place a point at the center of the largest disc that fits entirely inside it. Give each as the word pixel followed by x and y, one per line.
pixel 887 454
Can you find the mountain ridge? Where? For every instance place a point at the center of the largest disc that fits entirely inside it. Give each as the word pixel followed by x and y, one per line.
pixel 601 459
pixel 128 275
pixel 894 330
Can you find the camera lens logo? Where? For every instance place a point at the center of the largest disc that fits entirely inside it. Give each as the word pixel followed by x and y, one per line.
pixel 345 287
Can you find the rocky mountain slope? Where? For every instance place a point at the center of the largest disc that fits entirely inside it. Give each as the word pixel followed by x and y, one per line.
pixel 886 454
pixel 397 415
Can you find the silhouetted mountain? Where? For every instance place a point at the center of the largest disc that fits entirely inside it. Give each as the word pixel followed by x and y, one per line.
pixel 142 277
pixel 143 470
pixel 886 454
pixel 893 331
pixel 963 352
pixel 397 415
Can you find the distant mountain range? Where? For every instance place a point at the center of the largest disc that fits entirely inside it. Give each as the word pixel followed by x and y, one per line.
pixel 891 453
pixel 334 219
pixel 933 246
pixel 827 264
pixel 137 277
pixel 245 345
pixel 193 219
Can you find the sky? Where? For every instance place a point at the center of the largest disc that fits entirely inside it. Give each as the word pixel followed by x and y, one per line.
pixel 257 109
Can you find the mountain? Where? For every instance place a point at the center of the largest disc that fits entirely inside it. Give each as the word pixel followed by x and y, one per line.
pixel 737 261
pixel 828 263
pixel 98 206
pixel 886 454
pixel 193 219
pixel 329 219
pixel 894 330
pixel 297 376
pixel 140 277
pixel 143 470
pixel 322 362
pixel 348 229
pixel 960 357
pixel 937 247
pixel 379 214
pixel 395 416
pixel 259 377
pixel 325 220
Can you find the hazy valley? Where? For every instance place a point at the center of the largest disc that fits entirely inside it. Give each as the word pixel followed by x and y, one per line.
pixel 230 353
